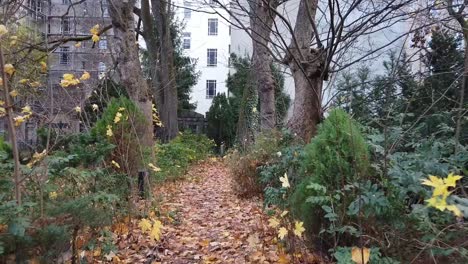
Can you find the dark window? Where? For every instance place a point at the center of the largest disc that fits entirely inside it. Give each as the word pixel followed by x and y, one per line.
pixel 186 40
pixel 187 10
pixel 64 55
pixel 212 57
pixel 210 88
pixel 212 26
pixel 65 27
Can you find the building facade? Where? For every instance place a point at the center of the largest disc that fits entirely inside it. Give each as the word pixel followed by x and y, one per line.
pixel 206 39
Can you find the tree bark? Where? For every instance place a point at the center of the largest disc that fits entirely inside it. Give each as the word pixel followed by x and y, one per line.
pixel 167 92
pixel 308 69
pixel 129 66
pixel 261 20
pixel 11 129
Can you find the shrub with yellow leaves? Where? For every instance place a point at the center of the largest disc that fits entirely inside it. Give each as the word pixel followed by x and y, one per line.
pixel 441 192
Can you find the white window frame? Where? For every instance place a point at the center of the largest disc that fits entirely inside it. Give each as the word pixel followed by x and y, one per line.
pixel 215 56
pixel 212 26
pixel 103 43
pixel 210 85
pixel 186 40
pixel 101 69
pixel 187 10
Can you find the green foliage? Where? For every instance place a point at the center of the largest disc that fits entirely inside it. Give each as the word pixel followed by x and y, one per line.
pixel 222 120
pixel 338 154
pixel 343 256
pixel 124 133
pixel 174 158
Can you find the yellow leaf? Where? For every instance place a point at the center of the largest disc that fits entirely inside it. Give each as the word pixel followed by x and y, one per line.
pixel 121 109
pixel 451 180
pixel 23 81
pixel 282 232
pixel 95 38
pixel 298 228
pixel 1 81
pixel 145 225
pixel 77 109
pixel 97 252
pixel 95 29
pixel 284 213
pixel 43 66
pixel 360 256
pixel 2 102
pixel 284 181
pixel 85 76
pixel 53 195
pixel 153 167
pixel 35 84
pixel 14 93
pixel 273 222
pixel 9 69
pixel 155 233
pixel 2 111
pixel 3 30
pixel 115 164
pixel 117 117
pixel 68 77
pixel 455 210
pixel 78 44
pixel 19 120
pixel 109 132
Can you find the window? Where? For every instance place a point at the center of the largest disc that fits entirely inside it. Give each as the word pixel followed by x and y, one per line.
pixel 83 65
pixel 212 57
pixel 65 26
pixel 186 40
pixel 64 55
pixel 212 26
pixel 101 70
pixel 35 5
pixel 187 11
pixel 105 11
pixel 65 2
pixel 103 43
pixel 210 88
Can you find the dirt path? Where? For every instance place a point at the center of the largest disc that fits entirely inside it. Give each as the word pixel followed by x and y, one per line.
pixel 211 224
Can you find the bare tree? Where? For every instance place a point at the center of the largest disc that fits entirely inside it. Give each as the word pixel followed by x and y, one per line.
pixel 322 40
pixel 128 63
pixel 261 21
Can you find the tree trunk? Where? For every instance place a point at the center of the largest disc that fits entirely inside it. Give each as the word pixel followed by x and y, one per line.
pixel 461 109
pixel 128 64
pixel 11 129
pixel 261 21
pixel 247 125
pixel 167 92
pixel 308 69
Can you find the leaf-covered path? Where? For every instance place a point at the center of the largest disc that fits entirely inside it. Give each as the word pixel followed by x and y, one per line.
pixel 212 225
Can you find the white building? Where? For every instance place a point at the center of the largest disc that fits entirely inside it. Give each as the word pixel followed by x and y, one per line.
pixel 206 39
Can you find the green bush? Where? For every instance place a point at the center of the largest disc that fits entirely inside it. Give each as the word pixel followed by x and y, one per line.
pixel 174 158
pixel 336 159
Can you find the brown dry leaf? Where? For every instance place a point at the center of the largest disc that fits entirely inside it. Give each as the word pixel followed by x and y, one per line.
pixel 283 258
pixel 360 255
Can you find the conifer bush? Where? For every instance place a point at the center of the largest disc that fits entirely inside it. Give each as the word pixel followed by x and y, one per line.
pixel 336 158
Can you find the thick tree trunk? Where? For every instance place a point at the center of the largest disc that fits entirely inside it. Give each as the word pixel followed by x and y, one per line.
pixel 261 21
pixel 167 92
pixel 128 64
pixel 308 69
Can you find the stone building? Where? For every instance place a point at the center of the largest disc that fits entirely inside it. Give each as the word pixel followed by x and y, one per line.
pixel 61 24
